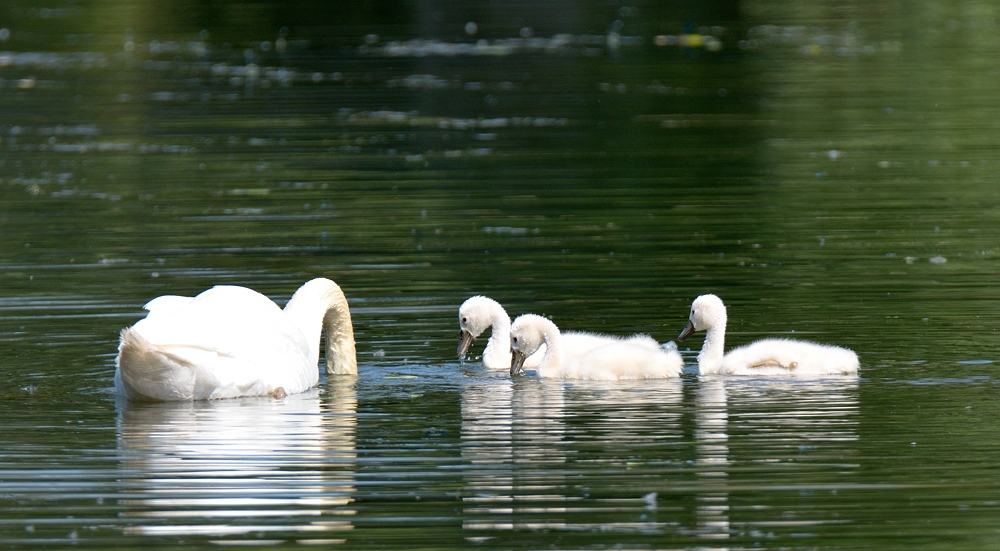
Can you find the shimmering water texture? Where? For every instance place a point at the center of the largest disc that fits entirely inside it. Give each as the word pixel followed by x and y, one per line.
pixel 829 171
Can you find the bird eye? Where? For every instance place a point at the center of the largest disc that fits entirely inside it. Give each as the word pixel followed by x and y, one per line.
pixel 465 320
pixel 515 339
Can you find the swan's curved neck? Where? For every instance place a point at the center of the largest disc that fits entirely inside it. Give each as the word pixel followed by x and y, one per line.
pixel 326 311
pixel 713 350
pixel 341 356
pixel 497 351
pixel 553 358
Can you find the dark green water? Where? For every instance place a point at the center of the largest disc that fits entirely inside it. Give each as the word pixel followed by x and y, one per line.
pixel 829 170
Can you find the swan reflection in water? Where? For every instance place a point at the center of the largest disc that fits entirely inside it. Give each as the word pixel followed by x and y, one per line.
pixel 242 467
pixel 711 436
pixel 544 454
pixel 777 422
pixel 508 423
pixel 521 437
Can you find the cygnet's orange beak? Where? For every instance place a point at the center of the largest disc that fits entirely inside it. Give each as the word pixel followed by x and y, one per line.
pixel 517 363
pixel 687 332
pixel 465 341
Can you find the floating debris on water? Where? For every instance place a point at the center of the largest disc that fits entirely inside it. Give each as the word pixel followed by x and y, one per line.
pixel 527 42
pixel 505 230
pixel 816 41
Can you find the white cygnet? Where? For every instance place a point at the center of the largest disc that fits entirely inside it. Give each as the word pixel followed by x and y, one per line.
pixel 590 356
pixel 768 357
pixel 475 316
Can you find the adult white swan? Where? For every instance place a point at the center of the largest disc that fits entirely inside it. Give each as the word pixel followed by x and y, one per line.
pixel 599 357
pixel 232 341
pixel 782 357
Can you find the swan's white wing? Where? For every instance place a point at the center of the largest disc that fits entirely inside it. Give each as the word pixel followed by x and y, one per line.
pixel 230 321
pixel 148 372
pixel 166 304
pixel 238 335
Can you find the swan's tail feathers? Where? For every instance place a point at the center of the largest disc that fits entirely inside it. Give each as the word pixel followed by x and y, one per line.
pixel 146 372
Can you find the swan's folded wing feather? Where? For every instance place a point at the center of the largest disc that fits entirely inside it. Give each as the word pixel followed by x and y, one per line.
pixel 229 321
pixel 166 304
pixel 145 372
pixel 183 372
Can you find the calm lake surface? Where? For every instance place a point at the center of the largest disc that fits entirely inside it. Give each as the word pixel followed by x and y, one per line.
pixel 830 170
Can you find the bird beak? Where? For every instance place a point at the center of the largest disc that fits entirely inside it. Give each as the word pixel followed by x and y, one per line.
pixel 687 332
pixel 464 343
pixel 517 363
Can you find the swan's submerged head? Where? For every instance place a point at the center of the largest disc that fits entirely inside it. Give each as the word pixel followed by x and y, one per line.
pixel 526 337
pixel 474 317
pixel 707 312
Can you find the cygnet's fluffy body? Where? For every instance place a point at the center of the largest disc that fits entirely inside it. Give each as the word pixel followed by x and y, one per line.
pixel 595 357
pixel 766 357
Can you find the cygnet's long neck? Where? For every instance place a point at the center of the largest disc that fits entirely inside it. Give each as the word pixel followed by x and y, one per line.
pixel 713 350
pixel 496 355
pixel 553 358
pixel 320 305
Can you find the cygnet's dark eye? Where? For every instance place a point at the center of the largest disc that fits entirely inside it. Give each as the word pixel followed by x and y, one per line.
pixel 465 320
pixel 515 339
